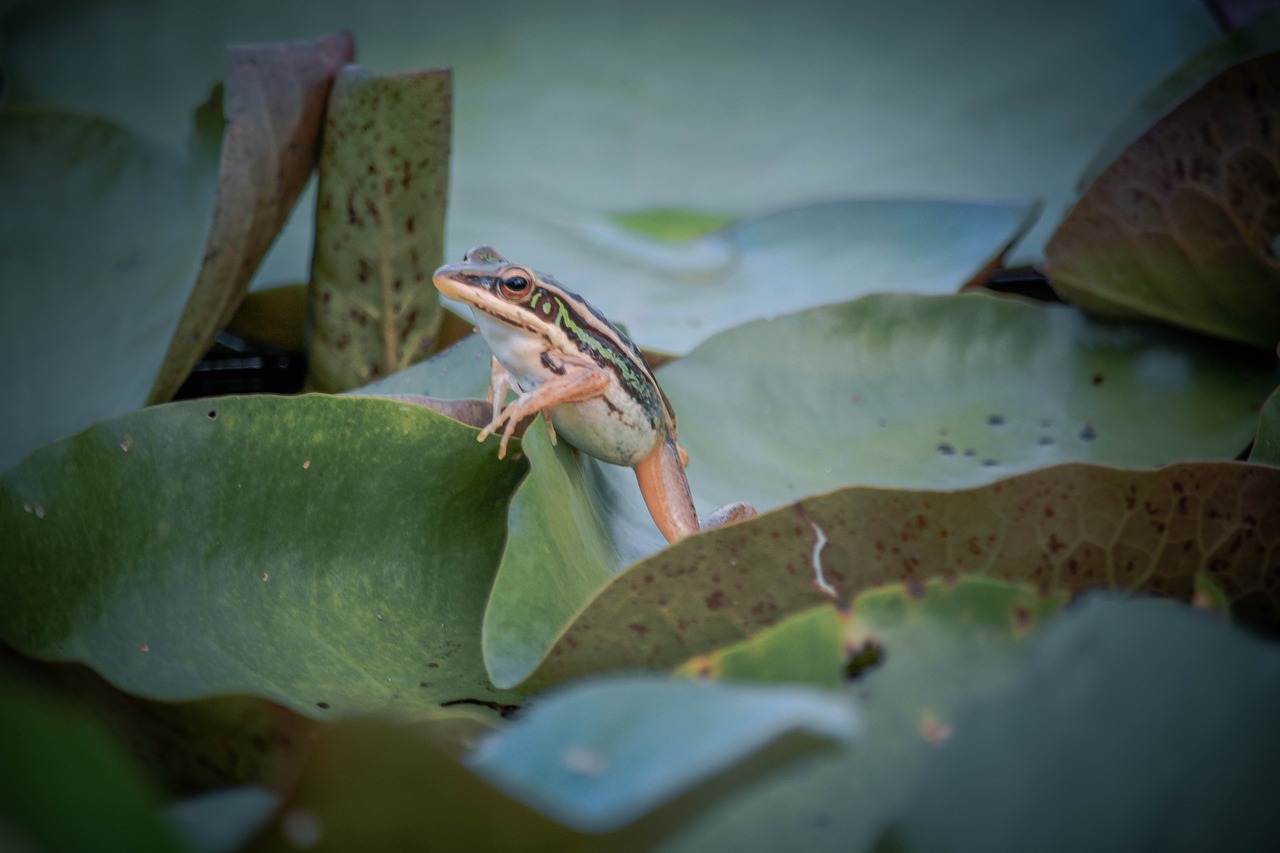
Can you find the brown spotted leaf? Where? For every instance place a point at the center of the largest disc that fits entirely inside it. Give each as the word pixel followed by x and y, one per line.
pixel 384 172
pixel 1069 527
pixel 273 103
pixel 1182 227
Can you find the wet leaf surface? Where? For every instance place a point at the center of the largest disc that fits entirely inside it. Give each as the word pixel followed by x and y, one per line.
pixel 1181 226
pixel 384 173
pixel 273 104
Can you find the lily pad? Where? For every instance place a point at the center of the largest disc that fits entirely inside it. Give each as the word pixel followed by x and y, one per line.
pixel 599 755
pixel 949 392
pixel 942 646
pixel 1070 527
pixel 100 233
pixel 273 103
pixel 1181 227
pixel 384 174
pixel 332 554
pixel 1178 706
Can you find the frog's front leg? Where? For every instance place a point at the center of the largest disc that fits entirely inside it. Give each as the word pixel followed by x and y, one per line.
pixel 500 382
pixel 666 493
pixel 580 381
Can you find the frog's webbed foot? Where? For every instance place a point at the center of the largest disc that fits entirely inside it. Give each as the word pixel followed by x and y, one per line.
pixel 727 514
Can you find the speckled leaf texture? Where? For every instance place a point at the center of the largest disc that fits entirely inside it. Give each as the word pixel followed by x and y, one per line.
pixel 384 173
pixel 1182 226
pixel 274 104
pixel 1069 527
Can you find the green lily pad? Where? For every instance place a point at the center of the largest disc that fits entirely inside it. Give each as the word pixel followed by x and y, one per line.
pixel 332 554
pixel 949 392
pixel 1181 227
pixel 273 104
pixel 1070 527
pixel 68 786
pixel 384 176
pixel 1178 706
pixel 601 754
pixel 100 234
pixel 376 785
pixel 942 646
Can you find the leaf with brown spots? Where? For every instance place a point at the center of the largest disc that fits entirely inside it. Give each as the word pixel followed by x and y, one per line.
pixel 273 103
pixel 1069 527
pixel 1182 226
pixel 384 173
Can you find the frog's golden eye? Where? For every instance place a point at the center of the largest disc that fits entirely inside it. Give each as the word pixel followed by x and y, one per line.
pixel 514 287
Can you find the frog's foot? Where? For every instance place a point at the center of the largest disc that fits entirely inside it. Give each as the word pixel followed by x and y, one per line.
pixel 727 514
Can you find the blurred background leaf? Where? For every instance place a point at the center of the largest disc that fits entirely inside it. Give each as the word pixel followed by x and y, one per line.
pixel 100 238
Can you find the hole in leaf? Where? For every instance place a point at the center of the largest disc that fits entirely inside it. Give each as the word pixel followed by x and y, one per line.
pixel 870 655
pixel 213 414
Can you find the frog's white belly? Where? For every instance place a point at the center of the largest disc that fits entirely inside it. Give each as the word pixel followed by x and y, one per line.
pixel 614 427
pixel 617 431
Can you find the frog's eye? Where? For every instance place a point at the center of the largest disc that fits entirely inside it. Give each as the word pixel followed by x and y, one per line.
pixel 514 287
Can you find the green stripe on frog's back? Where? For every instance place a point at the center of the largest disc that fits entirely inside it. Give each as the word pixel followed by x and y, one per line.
pixel 602 341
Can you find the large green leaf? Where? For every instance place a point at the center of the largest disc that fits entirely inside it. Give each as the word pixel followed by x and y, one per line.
pixel 273 103
pixel 384 176
pixel 1131 726
pixel 1181 226
pixel 600 754
pixel 100 235
pixel 333 554
pixel 1069 527
pixel 941 646
pixel 67 786
pixel 948 392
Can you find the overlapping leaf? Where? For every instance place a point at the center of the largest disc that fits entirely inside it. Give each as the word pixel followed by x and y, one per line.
pixel 1181 226
pixel 1069 527
pixel 273 103
pixel 942 645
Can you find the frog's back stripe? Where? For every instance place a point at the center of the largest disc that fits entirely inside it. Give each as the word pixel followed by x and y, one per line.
pixel 608 347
